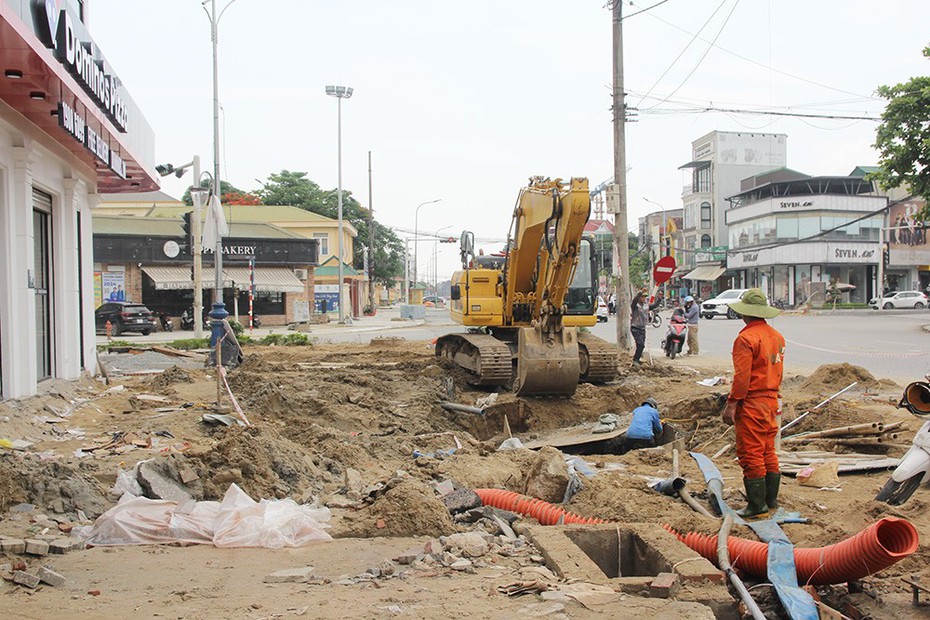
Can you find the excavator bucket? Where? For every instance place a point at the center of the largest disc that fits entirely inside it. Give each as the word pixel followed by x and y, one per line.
pixel 547 363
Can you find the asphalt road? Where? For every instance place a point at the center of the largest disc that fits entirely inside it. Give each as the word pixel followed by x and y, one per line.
pixel 888 344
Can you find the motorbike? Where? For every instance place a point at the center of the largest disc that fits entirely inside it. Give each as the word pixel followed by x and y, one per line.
pixel 187 320
pixel 654 318
pixel 165 321
pixel 914 468
pixel 676 335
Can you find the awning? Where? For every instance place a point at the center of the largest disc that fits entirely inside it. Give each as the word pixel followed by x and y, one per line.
pixel 170 278
pixel 695 164
pixel 707 272
pixel 267 279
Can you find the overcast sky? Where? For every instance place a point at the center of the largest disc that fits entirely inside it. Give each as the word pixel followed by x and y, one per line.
pixel 463 101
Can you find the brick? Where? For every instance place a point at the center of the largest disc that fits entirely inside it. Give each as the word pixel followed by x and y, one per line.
pixel 59 546
pixel 25 579
pixel 77 544
pixel 290 575
pixel 47 575
pixel 665 585
pixel 13 545
pixel 36 547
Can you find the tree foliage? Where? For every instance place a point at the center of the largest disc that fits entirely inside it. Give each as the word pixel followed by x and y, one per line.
pixel 207 183
pixel 903 137
pixel 639 262
pixel 297 190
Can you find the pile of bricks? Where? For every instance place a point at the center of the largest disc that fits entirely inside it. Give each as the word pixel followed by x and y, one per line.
pixel 37 547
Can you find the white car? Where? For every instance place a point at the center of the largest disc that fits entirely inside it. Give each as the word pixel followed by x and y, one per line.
pixel 602 311
pixel 720 305
pixel 900 299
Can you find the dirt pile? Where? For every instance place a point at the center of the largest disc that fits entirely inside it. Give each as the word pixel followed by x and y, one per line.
pixel 58 487
pixel 410 508
pixel 831 378
pixel 172 376
pixel 263 463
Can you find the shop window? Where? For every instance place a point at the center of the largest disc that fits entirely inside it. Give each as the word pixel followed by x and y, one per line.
pixel 705 241
pixel 786 228
pixel 324 243
pixel 267 302
pixel 705 215
pixel 701 180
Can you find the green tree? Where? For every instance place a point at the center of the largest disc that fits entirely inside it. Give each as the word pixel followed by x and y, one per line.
pixel 640 258
pixel 297 190
pixel 903 138
pixel 207 183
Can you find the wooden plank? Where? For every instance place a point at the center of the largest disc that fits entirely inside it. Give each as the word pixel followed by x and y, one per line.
pixel 578 435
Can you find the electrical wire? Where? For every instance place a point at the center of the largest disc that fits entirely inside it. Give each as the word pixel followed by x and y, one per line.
pixel 760 112
pixel 704 55
pixel 682 52
pixel 759 64
pixel 648 8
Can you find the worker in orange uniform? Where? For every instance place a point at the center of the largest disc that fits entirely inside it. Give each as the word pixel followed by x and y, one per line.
pixel 754 403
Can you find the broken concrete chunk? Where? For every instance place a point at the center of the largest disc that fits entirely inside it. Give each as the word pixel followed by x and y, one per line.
pixel 59 546
pixel 290 575
pixel 471 544
pixel 548 476
pixel 25 579
pixel 387 568
pixel 47 575
pixel 36 547
pixel 461 500
pixel 157 485
pixel 13 546
pixel 665 585
pixel 461 565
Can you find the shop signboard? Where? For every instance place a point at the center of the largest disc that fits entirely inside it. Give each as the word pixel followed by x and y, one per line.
pixel 907 239
pixel 98 289
pixel 715 253
pixel 326 298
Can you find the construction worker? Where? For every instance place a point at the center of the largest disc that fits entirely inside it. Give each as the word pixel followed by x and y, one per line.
pixel 754 404
pixel 639 317
pixel 692 317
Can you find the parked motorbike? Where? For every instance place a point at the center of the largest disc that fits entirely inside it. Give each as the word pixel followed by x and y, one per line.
pixel 654 318
pixel 187 320
pixel 676 335
pixel 914 468
pixel 165 322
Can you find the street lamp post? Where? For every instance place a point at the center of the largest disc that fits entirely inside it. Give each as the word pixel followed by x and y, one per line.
pixel 218 313
pixel 416 223
pixel 340 93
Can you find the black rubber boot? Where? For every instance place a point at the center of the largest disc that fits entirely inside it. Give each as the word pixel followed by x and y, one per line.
pixel 755 494
pixel 772 482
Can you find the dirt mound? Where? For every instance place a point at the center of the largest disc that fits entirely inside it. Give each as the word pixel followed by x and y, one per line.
pixel 263 463
pixel 55 486
pixel 171 376
pixel 834 377
pixel 409 509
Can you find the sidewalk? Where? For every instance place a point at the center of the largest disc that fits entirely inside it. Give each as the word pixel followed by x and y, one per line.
pixel 385 319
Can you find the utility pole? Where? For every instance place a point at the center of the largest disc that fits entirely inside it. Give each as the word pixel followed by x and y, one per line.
pixel 371 243
pixel 621 233
pixel 197 251
pixel 406 271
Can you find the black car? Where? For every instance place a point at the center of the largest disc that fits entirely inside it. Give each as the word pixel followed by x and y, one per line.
pixel 124 316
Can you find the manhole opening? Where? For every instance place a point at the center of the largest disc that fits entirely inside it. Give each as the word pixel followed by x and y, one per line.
pixel 620 553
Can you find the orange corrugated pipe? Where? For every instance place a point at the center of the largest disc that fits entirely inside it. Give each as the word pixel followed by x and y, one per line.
pixel 544 512
pixel 873 549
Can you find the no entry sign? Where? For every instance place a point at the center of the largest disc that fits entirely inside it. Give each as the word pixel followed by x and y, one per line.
pixel 664 269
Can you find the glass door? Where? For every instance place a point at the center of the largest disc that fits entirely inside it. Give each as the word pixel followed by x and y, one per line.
pixel 41 221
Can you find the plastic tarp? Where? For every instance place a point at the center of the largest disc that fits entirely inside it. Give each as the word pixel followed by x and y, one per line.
pixel 237 521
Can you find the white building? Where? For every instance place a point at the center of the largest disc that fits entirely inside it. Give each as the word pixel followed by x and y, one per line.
pixel 720 160
pixel 791 234
pixel 68 131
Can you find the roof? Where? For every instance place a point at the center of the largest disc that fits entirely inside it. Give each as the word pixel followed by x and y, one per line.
pixel 171 227
pixel 330 267
pixel 810 186
pixel 861 171
pixel 594 226
pixel 252 213
pixel 146 197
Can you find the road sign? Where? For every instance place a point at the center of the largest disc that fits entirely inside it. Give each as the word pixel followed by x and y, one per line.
pixel 664 270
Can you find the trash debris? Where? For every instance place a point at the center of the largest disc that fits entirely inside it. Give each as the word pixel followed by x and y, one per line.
pixel 219 418
pixel 820 475
pixel 513 443
pixel 712 381
pixel 606 423
pixel 486 401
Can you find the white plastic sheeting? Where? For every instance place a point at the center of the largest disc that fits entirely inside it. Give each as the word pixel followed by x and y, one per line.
pixel 237 521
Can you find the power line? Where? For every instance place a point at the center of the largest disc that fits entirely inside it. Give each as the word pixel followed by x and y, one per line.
pixel 759 64
pixel 759 112
pixel 648 8
pixel 704 55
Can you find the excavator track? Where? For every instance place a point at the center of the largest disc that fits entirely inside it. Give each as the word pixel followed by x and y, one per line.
pixel 488 359
pixel 598 359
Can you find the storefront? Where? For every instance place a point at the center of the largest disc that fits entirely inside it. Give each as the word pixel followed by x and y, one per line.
pixel 909 249
pixel 793 239
pixel 149 260
pixel 68 132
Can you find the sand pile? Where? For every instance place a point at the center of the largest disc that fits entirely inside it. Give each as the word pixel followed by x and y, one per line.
pixel 410 508
pixel 831 378
pixel 58 487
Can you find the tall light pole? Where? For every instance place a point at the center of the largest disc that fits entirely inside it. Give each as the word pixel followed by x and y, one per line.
pixel 340 93
pixel 416 223
pixel 621 229
pixel 436 259
pixel 219 310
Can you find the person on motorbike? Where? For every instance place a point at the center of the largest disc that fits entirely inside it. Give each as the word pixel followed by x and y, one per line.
pixel 692 316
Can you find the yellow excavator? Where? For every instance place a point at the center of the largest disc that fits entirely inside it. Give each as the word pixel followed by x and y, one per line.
pixel 523 307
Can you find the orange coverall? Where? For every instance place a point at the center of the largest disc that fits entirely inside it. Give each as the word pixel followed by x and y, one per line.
pixel 758 365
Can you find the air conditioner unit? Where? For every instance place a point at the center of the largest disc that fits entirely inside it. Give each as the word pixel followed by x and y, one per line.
pixel 301 274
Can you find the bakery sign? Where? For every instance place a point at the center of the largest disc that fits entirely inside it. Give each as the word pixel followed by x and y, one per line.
pixel 66 36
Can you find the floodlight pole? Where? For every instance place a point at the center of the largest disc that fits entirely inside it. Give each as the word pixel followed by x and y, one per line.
pixel 340 93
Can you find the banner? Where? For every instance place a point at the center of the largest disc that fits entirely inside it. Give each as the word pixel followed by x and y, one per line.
pixel 113 284
pixel 907 239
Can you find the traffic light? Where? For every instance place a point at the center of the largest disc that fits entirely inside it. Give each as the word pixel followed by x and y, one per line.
pixel 886 256
pixel 188 228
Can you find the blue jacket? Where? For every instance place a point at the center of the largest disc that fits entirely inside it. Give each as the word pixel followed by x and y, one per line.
pixel 693 314
pixel 645 423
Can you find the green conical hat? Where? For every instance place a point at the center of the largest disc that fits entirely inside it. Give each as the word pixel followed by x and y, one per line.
pixel 754 303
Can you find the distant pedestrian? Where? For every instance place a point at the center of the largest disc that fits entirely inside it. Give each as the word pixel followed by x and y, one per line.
pixel 754 402
pixel 692 317
pixel 639 317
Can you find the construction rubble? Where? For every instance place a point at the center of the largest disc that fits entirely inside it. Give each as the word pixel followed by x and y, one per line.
pixel 353 492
